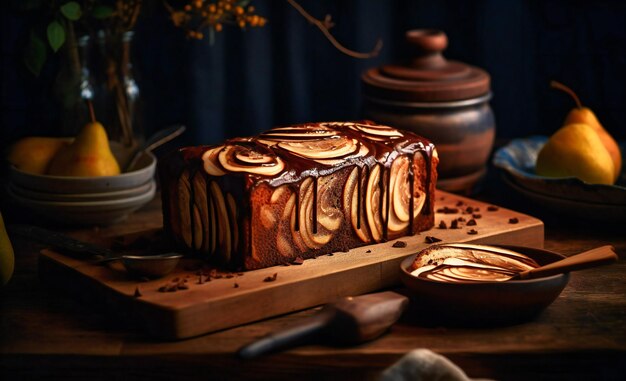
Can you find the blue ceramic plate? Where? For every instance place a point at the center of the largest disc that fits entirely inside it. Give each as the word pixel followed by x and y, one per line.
pixel 518 159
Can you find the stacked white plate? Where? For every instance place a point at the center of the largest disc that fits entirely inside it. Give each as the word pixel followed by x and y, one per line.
pixel 84 200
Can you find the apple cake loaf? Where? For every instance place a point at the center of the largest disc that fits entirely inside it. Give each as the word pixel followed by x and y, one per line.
pixel 298 192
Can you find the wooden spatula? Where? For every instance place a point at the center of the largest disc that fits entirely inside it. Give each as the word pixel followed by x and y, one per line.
pixel 351 320
pixel 595 257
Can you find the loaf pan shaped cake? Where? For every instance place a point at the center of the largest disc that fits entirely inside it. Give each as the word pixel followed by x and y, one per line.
pixel 297 192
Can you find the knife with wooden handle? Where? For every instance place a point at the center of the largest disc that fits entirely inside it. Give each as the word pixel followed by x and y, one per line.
pixel 351 320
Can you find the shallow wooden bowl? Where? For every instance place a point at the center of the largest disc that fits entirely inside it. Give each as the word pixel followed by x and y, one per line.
pixel 484 303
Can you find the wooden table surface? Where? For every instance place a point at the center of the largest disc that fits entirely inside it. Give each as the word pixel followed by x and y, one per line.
pixel 46 334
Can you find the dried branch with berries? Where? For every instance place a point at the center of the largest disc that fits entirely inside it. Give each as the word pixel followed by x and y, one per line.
pixel 112 21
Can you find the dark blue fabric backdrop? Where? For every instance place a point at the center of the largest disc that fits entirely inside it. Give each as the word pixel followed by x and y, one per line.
pixel 287 72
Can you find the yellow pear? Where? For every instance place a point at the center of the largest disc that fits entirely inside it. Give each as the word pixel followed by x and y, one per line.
pixel 33 154
pixel 576 150
pixel 7 258
pixel 88 155
pixel 581 114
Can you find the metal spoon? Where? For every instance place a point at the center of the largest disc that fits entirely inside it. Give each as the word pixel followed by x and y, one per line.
pixel 156 140
pixel 151 266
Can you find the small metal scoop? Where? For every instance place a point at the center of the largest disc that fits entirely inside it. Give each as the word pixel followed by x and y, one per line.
pixel 151 266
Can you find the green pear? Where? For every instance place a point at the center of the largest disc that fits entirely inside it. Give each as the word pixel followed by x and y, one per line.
pixel 88 155
pixel 576 150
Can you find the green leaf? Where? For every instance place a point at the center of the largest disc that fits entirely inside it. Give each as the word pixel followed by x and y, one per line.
pixel 35 54
pixel 56 35
pixel 102 12
pixel 71 10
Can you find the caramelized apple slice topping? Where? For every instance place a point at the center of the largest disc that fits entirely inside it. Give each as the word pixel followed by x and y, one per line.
pixel 401 192
pixel 373 207
pixel 223 225
pixel 242 156
pixel 352 206
pixel 313 234
pixel 201 201
pixel 184 196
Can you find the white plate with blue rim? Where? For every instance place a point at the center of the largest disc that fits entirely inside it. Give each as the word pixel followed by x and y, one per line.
pixel 517 159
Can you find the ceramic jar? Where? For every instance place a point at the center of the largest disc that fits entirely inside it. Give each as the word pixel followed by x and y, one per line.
pixel 443 100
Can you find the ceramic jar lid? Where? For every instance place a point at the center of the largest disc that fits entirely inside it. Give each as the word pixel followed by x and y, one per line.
pixel 428 76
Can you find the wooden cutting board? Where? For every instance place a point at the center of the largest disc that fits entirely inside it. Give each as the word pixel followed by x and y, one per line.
pixel 233 299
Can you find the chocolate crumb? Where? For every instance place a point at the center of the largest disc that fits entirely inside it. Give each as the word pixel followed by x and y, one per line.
pixel 476 209
pixel 476 215
pixel 513 220
pixel 137 293
pixel 471 222
pixel 454 224
pixel 182 286
pixel 447 210
pixel 175 280
pixel 163 288
pixel 431 239
pixel 399 244
pixel 208 278
pixel 461 219
pixel 430 261
pixel 229 276
pixel 236 285
pixel 331 254
pixel 459 203
pixel 442 225
pixel 368 251
pixel 217 276
pixel 469 210
pixel 298 261
pixel 171 288
pixel 239 274
pixel 472 232
pixel 492 208
pixel 271 278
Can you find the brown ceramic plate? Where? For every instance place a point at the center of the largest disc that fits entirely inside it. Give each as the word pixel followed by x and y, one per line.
pixel 584 210
pixel 484 303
